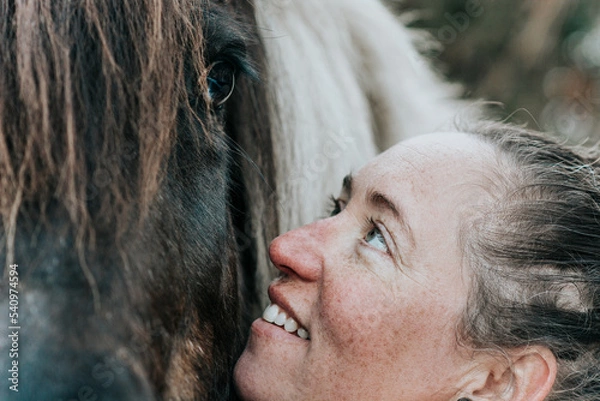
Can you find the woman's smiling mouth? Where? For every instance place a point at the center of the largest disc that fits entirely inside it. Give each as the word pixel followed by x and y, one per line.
pixel 277 316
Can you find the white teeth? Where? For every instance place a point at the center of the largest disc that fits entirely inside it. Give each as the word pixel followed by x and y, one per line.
pixel 290 325
pixel 280 319
pixel 273 314
pixel 302 333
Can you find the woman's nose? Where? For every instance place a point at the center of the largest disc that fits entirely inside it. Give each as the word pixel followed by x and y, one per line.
pixel 301 252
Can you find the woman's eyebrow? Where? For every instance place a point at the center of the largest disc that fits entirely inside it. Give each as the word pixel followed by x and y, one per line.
pixel 382 202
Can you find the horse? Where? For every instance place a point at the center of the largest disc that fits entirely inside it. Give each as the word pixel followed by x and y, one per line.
pixel 151 149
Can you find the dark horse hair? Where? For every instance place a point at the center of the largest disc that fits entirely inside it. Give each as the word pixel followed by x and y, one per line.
pixel 115 180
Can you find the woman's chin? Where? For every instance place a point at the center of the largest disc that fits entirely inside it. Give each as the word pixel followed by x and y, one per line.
pixel 252 381
pixel 269 363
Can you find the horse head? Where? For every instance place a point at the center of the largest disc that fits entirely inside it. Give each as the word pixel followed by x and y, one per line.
pixel 115 197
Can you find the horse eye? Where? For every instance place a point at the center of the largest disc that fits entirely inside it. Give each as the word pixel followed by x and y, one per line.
pixel 221 81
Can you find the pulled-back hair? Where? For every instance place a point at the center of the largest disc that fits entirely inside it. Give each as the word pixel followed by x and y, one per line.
pixel 535 256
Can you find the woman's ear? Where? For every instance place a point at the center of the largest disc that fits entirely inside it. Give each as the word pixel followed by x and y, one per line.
pixel 524 374
pixel 534 371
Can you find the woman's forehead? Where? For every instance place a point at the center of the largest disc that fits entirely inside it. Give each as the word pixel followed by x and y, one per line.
pixel 449 144
pixel 434 163
pixel 446 150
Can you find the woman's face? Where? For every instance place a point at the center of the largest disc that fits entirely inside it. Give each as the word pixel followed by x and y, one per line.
pixel 379 286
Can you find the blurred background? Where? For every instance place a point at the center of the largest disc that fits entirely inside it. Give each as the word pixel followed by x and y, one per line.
pixel 540 58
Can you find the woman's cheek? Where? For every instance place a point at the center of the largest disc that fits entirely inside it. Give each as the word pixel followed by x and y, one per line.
pixel 355 309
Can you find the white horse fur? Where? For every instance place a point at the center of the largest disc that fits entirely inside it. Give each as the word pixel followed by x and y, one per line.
pixel 345 83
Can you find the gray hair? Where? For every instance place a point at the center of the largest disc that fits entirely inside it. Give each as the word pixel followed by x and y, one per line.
pixel 535 256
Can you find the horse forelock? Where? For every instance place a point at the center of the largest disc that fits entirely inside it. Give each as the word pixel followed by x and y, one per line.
pixel 89 98
pixel 114 171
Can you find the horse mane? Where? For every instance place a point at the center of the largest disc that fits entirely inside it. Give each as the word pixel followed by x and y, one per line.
pixel 89 99
pixel 345 83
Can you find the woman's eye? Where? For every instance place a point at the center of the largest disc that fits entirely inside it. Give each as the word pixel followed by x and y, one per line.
pixel 221 81
pixel 375 238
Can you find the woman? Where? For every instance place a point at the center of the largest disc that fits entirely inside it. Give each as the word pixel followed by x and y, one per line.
pixel 454 267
